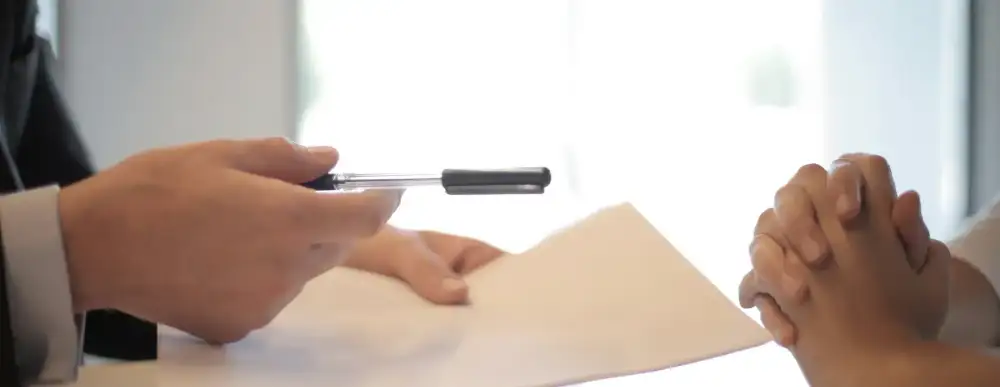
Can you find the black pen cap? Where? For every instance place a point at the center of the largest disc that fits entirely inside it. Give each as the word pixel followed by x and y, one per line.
pixel 540 177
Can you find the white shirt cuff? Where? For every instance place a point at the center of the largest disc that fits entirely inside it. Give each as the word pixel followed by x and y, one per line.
pixel 47 342
pixel 979 244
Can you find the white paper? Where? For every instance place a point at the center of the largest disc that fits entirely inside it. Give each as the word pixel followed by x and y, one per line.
pixel 606 297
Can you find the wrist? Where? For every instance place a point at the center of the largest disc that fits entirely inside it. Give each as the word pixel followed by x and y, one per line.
pixel 880 365
pixel 86 282
pixel 832 353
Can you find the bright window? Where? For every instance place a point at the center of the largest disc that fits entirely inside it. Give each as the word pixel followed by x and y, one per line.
pixel 694 111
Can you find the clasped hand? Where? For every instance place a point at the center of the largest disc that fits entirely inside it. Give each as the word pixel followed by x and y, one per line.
pixel 843 269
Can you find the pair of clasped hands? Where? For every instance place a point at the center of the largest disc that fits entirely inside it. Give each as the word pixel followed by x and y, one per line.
pixel 844 273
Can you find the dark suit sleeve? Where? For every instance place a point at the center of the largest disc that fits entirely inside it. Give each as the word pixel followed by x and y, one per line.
pixel 51 152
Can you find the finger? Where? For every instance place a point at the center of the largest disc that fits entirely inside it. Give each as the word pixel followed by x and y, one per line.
pixel 844 186
pixel 768 224
pixel 768 261
pixel 431 278
pixel 749 290
pixel 935 276
pixel 775 321
pixel 777 272
pixel 880 189
pixel 938 262
pixel 796 214
pixel 795 286
pixel 277 158
pixel 468 254
pixel 475 255
pixel 907 217
pixel 347 216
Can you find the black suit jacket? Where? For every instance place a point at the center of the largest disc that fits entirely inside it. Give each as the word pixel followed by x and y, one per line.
pixel 40 146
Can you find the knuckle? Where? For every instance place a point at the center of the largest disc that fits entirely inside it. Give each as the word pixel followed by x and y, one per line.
pixel 878 162
pixel 853 156
pixel 762 251
pixel 810 172
pixel 843 169
pixel 791 204
pixel 279 145
pixel 786 192
pixel 875 165
pixel 748 290
pixel 765 221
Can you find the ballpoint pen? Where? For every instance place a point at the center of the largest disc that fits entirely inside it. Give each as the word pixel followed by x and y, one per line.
pixel 454 181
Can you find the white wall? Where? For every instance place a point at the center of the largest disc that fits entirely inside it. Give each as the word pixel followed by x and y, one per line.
pixel 146 73
pixel 895 86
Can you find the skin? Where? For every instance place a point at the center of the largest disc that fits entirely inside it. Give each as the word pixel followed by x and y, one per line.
pixel 973 317
pixel 865 309
pixel 432 263
pixel 216 238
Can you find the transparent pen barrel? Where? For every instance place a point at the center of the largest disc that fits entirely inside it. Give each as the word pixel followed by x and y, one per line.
pixel 355 181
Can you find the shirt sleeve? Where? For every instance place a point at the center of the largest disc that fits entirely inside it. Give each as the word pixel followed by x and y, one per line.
pixel 47 337
pixel 979 243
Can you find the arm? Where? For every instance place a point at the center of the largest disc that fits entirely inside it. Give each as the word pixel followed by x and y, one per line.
pixel 49 152
pixel 930 364
pixel 974 311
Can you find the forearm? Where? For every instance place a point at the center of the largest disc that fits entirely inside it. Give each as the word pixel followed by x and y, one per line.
pixel 937 364
pixel 924 364
pixel 974 313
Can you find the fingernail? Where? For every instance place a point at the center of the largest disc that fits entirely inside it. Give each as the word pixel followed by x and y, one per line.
pixel 810 250
pixel 845 205
pixel 453 285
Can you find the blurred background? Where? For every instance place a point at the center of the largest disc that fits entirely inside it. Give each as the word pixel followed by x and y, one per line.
pixel 696 111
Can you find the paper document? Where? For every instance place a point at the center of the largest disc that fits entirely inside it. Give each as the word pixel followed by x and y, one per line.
pixel 606 297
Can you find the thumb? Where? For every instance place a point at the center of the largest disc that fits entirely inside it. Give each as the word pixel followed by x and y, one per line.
pixel 909 223
pixel 279 158
pixel 429 277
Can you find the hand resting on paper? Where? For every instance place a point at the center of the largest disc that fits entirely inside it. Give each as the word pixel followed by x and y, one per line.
pixel 860 307
pixel 431 263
